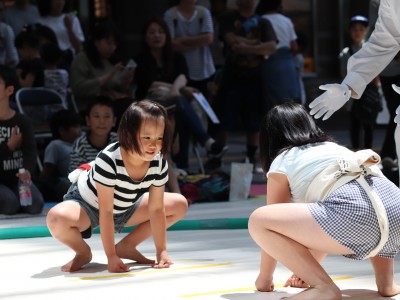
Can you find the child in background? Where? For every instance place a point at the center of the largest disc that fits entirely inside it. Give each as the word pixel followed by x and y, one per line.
pixel 30 69
pixel 65 127
pixel 100 119
pixel 124 187
pixel 55 78
pixel 362 121
pixel 17 150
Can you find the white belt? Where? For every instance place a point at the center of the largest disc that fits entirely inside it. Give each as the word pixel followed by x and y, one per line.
pixel 341 172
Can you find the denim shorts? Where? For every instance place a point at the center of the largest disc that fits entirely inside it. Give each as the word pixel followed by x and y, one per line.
pixel 93 213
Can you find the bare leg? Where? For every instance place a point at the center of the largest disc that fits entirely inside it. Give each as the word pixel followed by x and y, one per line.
pixel 65 221
pixel 283 231
pixel 175 208
pixel 384 276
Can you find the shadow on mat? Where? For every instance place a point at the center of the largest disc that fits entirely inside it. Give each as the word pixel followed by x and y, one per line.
pixel 92 268
pixel 353 294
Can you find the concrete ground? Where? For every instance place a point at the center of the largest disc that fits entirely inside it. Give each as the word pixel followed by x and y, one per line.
pixel 208 264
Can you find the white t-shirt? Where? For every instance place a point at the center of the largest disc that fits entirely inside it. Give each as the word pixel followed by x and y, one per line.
pixel 283 28
pixel 302 164
pixel 58 26
pixel 199 60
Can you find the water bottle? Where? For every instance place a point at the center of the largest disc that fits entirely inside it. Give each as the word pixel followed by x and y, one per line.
pixel 24 189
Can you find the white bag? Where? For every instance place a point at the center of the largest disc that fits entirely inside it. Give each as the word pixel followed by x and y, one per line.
pixel 241 177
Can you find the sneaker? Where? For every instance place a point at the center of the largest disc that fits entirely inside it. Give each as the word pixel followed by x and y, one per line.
pixel 217 150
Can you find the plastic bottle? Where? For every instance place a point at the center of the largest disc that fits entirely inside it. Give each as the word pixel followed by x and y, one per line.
pixel 24 189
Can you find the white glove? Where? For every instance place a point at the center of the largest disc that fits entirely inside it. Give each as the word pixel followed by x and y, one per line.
pixel 335 97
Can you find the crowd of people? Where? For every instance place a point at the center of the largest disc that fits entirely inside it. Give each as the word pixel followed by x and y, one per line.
pixel 47 47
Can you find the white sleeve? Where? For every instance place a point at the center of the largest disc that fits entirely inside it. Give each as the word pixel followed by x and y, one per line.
pixel 378 51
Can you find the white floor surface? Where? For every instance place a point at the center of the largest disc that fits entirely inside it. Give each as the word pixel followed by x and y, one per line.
pixel 208 264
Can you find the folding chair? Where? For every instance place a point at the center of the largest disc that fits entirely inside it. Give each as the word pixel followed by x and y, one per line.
pixel 38 104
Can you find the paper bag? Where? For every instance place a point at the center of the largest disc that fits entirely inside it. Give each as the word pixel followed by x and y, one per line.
pixel 241 177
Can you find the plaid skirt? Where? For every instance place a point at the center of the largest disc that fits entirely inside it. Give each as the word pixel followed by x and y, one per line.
pixel 347 215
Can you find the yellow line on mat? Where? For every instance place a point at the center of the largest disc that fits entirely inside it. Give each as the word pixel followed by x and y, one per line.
pixel 151 271
pixel 244 289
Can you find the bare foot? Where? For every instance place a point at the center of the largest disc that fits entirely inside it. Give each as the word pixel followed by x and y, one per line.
pixel 77 262
pixel 318 293
pixel 389 291
pixel 133 254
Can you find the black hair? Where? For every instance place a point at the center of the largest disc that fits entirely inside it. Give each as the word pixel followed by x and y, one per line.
pixel 268 5
pixel 8 75
pixel 44 7
pixel 43 32
pixel 167 51
pixel 286 126
pixel 50 53
pixel 100 100
pixel 131 122
pixel 102 30
pixel 25 38
pixel 63 119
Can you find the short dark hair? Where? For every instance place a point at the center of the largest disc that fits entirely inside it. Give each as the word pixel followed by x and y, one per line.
pixel 100 100
pixel 64 118
pixel 8 75
pixel 26 38
pixel 286 126
pixel 131 122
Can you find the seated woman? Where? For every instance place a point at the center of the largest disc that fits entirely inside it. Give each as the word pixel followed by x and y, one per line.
pixel 98 71
pixel 161 73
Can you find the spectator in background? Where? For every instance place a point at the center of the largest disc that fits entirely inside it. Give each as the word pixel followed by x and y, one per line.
pixel 191 29
pixel 21 14
pixel 161 68
pixel 100 119
pixel 17 150
pixel 248 39
pixel 65 127
pixel 30 69
pixel 55 78
pixel 362 119
pixel 279 70
pixel 66 26
pixel 8 53
pixel 98 71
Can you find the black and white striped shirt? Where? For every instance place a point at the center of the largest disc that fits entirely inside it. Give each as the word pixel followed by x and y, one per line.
pixel 109 170
pixel 83 151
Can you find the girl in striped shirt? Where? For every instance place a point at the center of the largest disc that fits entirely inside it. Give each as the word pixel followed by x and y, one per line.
pixel 124 186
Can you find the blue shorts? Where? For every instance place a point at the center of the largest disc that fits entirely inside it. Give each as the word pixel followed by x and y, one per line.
pixel 93 213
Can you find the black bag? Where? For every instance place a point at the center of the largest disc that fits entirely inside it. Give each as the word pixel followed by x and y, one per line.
pixel 369 105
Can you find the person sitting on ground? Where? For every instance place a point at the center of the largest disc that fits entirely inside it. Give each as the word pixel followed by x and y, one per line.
pixel 17 150
pixel 98 71
pixel 161 71
pixel 124 186
pixel 30 69
pixel 55 78
pixel 65 127
pixel 317 186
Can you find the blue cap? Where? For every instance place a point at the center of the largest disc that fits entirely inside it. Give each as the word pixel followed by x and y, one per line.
pixel 359 19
